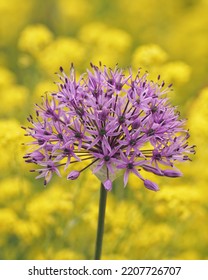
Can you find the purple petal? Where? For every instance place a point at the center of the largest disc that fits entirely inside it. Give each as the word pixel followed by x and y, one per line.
pixel 126 176
pixel 48 177
pixel 152 169
pixel 151 185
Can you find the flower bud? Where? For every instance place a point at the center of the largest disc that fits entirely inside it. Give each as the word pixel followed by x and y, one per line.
pixel 73 175
pixel 108 185
pixel 151 186
pixel 172 173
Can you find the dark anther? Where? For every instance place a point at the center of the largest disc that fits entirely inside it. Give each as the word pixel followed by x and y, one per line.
pixel 132 142
pixel 49 112
pixel 121 119
pixel 102 132
pixel 150 132
pixel 138 101
pixel 60 136
pixel 78 135
pixel 154 109
pixel 130 165
pixel 157 156
pixel 119 86
pixel 106 158
pixel 186 158
pixel 41 141
pixel 46 133
pixel 80 111
pixel 95 92
pixel 110 81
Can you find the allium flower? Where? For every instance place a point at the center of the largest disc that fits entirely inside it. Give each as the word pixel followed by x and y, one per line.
pixel 113 122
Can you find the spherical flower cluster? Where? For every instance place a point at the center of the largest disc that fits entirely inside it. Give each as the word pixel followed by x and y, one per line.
pixel 116 122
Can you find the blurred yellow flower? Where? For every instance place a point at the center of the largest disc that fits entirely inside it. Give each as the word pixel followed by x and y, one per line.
pixel 13 15
pixel 198 118
pixel 148 55
pixel 13 98
pixel 66 254
pixel 175 201
pixel 6 78
pixel 198 123
pixel 43 210
pixel 75 10
pixel 34 38
pixel 148 237
pixel 12 189
pixel 27 231
pixel 106 44
pixel 105 37
pixel 8 219
pixel 61 52
pixel 43 87
pixel 176 72
pixel 11 150
pixel 90 33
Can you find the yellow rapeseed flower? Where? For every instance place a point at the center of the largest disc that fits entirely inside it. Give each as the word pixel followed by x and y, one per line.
pixel 6 78
pixel 148 55
pixel 11 150
pixel 13 15
pixel 8 220
pixel 13 99
pixel 106 44
pixel 75 10
pixel 43 87
pixel 12 189
pixel 67 254
pixel 34 38
pixel 176 72
pixel 198 123
pixel 198 118
pixel 44 211
pixel 61 52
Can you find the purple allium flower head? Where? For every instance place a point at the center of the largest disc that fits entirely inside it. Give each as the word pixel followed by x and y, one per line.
pixel 110 121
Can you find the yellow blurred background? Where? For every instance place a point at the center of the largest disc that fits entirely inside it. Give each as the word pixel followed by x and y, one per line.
pixel 169 38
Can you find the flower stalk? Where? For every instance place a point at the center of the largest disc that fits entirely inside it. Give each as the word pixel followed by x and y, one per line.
pixel 101 222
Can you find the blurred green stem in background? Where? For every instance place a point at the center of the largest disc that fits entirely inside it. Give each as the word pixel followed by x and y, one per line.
pixel 101 221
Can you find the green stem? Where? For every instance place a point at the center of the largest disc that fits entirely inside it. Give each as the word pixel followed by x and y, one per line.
pixel 101 220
